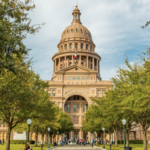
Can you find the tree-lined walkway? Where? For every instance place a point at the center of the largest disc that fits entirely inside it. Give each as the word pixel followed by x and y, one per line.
pixel 75 147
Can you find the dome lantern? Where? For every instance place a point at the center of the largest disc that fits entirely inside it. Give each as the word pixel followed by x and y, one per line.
pixel 76 15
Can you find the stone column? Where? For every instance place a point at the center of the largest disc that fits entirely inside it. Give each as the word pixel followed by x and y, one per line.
pixel 72 60
pixel 87 61
pixel 79 59
pixel 2 136
pixel 80 134
pixel 93 63
pixel 65 62
pixel 97 65
pixel 89 138
pixel 59 64
pixel 55 64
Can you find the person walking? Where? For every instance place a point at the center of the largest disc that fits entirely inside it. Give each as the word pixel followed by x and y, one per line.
pixel 27 147
pixel 84 142
pixel 80 142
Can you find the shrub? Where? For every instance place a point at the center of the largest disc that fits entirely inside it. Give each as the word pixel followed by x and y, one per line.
pixel 131 141
pixel 21 141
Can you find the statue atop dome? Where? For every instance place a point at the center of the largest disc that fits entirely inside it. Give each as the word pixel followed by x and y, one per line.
pixel 76 4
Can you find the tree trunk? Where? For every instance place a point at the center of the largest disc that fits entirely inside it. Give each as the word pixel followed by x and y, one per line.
pixel 8 138
pixel 116 138
pixel 109 138
pixel 127 138
pixel 51 140
pixel 144 140
pixel 42 138
pixel 36 135
pixel 46 137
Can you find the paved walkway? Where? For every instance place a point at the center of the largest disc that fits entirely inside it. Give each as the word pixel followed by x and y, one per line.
pixel 75 147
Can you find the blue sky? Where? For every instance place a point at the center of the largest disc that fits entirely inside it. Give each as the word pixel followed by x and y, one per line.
pixel 115 26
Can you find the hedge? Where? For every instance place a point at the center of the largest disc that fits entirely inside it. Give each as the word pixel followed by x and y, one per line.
pixel 21 141
pixel 131 142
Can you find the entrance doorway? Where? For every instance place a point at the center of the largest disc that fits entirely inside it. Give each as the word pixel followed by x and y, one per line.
pixel 85 135
pixel 67 136
pixel 76 134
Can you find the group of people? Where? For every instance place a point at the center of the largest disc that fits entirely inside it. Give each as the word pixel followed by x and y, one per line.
pixel 75 141
pixel 2 142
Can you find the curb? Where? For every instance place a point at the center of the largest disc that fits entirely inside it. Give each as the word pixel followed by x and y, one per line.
pixel 99 148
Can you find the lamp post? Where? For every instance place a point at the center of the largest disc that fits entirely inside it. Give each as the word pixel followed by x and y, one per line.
pixel 29 122
pixel 49 136
pixel 124 123
pixel 103 137
pixel 57 137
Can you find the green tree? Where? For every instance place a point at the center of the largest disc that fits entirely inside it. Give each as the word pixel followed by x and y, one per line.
pixel 147 24
pixel 16 95
pixel 14 25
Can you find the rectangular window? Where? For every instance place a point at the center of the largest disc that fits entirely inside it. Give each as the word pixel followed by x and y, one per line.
pixel 77 119
pixel 49 93
pixel 77 107
pixel 74 119
pixel 83 107
pixel 99 93
pixel 68 107
pixel 65 108
pixel 103 91
pixel 74 107
pixel 53 92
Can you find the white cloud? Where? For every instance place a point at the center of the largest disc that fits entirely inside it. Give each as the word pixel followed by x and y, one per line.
pixel 115 27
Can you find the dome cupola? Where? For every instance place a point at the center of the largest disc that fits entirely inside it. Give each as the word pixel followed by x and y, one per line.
pixel 76 15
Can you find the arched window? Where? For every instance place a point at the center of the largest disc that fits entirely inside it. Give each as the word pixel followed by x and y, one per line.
pixel 86 46
pixel 85 31
pixel 65 46
pixel 76 16
pixel 76 45
pixel 81 30
pixel 70 46
pixel 77 30
pixel 71 30
pixel 82 46
pixel 67 31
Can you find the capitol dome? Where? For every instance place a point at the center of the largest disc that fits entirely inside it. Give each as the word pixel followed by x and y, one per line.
pixel 75 32
pixel 76 29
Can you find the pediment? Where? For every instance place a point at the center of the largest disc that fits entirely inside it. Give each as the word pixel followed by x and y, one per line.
pixel 76 69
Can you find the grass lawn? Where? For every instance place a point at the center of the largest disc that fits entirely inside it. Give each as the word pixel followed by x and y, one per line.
pixel 21 147
pixel 121 147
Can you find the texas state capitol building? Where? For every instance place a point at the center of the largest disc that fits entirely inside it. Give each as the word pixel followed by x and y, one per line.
pixel 74 83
